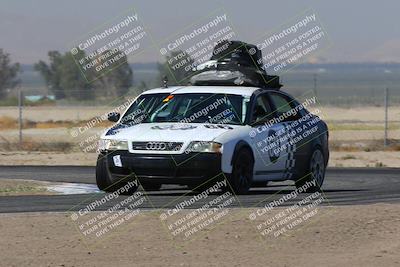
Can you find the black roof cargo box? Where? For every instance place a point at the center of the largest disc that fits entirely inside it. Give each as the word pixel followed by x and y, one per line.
pixel 235 63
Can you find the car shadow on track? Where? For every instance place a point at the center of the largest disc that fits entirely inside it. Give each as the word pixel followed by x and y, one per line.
pixel 256 191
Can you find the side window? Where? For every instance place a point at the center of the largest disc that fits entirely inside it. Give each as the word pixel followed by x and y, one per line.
pixel 262 109
pixel 283 104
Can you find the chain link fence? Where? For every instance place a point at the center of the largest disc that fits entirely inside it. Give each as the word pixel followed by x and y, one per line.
pixel 46 124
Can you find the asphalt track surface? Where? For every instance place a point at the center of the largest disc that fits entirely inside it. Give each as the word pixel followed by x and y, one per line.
pixel 343 186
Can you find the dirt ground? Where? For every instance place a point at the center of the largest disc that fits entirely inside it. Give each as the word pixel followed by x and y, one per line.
pixel 48 158
pixel 365 159
pixel 347 124
pixel 76 113
pixel 348 236
pixel 360 128
pixel 64 135
pixel 58 113
pixel 337 158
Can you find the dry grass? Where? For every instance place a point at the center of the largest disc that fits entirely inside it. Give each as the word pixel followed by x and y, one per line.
pixel 10 123
pixel 52 124
pixel 12 187
pixel 348 157
pixel 364 145
pixel 29 145
pixel 361 126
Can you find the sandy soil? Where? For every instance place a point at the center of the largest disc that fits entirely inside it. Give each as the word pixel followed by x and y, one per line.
pixel 66 113
pixel 48 158
pixel 360 135
pixel 347 236
pixel 337 159
pixel 365 159
pixel 65 135
pixel 53 135
pixel 368 113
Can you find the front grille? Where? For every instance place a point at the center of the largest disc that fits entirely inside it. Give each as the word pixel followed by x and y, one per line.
pixel 157 146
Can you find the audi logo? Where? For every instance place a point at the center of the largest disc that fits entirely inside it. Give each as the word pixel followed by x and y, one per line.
pixel 156 146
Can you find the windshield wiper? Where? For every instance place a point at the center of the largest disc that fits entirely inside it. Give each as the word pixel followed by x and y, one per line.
pixel 135 120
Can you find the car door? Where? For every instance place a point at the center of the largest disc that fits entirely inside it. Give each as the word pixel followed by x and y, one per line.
pixel 285 111
pixel 266 136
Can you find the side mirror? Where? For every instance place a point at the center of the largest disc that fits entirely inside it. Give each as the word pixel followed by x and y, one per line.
pixel 113 116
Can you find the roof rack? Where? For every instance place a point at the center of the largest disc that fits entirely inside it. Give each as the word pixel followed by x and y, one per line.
pixel 235 63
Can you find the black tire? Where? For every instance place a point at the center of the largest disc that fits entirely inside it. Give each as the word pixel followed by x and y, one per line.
pixel 241 178
pixel 106 182
pixel 148 186
pixel 315 172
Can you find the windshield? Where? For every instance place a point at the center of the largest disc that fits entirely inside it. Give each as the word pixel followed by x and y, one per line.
pixel 142 106
pixel 199 108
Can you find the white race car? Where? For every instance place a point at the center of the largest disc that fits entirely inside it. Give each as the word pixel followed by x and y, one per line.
pixel 188 135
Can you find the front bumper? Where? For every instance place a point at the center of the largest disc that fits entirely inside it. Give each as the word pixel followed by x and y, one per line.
pixel 191 168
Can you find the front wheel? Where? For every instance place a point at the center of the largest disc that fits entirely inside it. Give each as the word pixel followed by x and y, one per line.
pixel 241 177
pixel 315 174
pixel 105 180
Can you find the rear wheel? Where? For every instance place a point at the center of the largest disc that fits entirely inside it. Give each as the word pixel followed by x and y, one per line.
pixel 241 178
pixel 315 172
pixel 105 180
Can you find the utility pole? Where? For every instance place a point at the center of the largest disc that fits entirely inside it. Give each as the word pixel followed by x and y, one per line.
pixel 20 103
pixel 315 84
pixel 385 142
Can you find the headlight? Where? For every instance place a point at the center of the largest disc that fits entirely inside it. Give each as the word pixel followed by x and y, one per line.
pixel 105 144
pixel 200 146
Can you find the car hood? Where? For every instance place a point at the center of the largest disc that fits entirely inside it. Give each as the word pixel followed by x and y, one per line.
pixel 168 132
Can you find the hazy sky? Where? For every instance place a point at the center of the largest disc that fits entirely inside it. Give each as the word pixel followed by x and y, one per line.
pixel 362 30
